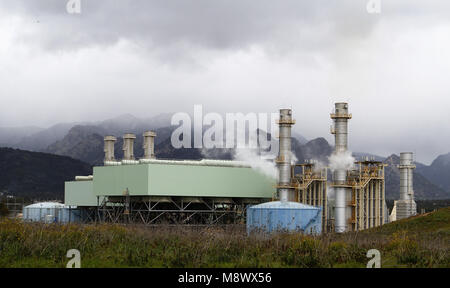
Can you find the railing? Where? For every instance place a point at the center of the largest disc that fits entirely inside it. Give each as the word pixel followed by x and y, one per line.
pixel 340 115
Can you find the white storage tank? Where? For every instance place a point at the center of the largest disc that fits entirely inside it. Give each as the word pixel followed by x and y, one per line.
pixel 50 212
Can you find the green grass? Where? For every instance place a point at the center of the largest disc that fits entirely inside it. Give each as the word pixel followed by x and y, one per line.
pixel 421 241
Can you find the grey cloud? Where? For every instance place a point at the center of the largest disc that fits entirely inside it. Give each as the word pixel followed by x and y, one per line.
pixel 208 24
pixel 146 56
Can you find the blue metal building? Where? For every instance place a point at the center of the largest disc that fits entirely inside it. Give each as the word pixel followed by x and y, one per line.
pixel 284 216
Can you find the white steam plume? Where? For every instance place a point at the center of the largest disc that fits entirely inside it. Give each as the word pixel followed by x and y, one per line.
pixel 318 166
pixel 341 161
pixel 265 166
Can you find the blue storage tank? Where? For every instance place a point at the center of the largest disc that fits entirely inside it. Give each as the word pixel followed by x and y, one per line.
pixel 284 216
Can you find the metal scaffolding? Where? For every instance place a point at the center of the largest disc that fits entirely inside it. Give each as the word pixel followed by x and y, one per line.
pixel 168 210
pixel 368 195
pixel 311 188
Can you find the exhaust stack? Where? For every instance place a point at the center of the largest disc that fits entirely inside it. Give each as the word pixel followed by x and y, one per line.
pixel 128 146
pixel 149 145
pixel 342 194
pixel 406 206
pixel 285 191
pixel 109 148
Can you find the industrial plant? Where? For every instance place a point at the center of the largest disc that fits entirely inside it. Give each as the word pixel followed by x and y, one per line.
pixel 153 191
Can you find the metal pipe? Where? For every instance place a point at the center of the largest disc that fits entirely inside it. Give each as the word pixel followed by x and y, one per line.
pixel 405 168
pixel 410 184
pixel 406 204
pixel 84 178
pixel 285 191
pixel 128 146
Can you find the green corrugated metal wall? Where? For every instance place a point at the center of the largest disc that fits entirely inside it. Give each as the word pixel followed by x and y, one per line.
pixel 79 193
pixel 182 180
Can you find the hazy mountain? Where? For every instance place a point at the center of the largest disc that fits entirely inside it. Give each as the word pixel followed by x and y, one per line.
pixel 38 139
pixel 438 172
pixel 37 175
pixel 12 135
pixel 299 137
pixel 86 143
pixel 81 142
pixel 128 123
pixel 317 149
pixel 423 188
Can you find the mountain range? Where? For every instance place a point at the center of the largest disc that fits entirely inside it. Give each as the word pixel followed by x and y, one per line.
pixel 84 141
pixel 38 139
pixel 37 175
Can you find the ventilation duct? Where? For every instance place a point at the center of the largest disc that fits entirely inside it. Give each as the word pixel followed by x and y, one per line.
pixel 149 145
pixel 128 146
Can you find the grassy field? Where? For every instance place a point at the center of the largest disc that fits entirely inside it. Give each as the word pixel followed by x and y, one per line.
pixel 422 241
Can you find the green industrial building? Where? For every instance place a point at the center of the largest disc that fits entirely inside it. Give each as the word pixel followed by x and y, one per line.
pixel 154 191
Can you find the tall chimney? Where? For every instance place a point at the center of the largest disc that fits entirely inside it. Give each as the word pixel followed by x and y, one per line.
pixel 128 146
pixel 149 145
pixel 342 193
pixel 109 148
pixel 406 206
pixel 285 191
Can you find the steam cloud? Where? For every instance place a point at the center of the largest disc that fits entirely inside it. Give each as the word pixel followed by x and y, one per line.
pixel 318 166
pixel 258 163
pixel 341 161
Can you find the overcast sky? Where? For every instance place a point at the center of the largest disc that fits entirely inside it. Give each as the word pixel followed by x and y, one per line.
pixel 148 57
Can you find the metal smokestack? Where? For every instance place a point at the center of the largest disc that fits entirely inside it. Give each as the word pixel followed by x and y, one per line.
pixel 109 148
pixel 128 146
pixel 406 206
pixel 149 145
pixel 285 191
pixel 406 167
pixel 342 193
